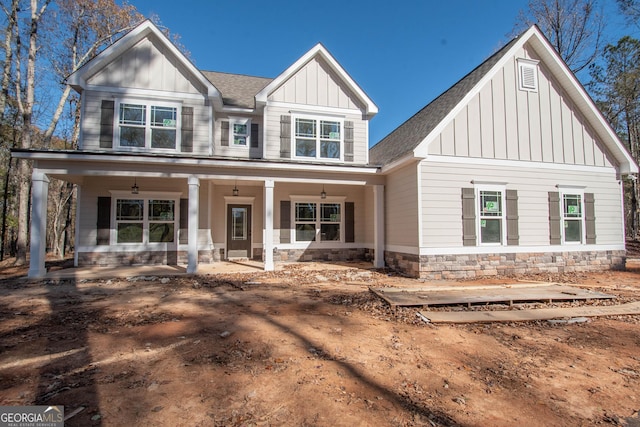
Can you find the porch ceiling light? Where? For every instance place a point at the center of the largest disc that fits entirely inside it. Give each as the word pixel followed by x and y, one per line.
pixel 134 188
pixel 235 190
pixel 323 194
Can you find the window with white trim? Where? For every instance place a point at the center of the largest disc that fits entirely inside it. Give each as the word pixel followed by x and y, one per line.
pixel 141 220
pixel 572 218
pixel 313 219
pixel 147 125
pixel 240 132
pixel 491 217
pixel 318 138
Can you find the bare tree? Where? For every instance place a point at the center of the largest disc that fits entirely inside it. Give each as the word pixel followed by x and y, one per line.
pixel 574 28
pixel 12 18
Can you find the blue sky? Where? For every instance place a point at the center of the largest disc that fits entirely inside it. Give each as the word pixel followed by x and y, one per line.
pixel 403 53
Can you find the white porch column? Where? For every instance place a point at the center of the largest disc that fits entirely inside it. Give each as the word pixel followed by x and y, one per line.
pixel 194 202
pixel 378 225
pixel 39 192
pixel 267 238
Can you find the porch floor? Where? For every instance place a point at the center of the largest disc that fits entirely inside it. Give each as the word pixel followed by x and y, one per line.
pixel 221 267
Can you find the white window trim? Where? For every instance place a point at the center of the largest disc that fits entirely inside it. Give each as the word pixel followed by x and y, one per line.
pixel 145 196
pixel 318 201
pixel 317 118
pixel 572 191
pixel 503 225
pixel 239 121
pixel 147 136
pixel 531 65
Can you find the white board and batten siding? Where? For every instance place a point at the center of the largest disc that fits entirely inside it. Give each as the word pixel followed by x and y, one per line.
pixel 503 122
pixel 442 181
pixel 315 90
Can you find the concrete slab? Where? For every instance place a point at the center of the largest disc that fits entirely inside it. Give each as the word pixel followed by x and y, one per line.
pixel 529 315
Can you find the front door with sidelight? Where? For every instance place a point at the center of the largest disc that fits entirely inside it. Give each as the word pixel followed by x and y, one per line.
pixel 238 231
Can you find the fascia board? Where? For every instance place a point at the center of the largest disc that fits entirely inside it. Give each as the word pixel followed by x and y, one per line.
pixel 188 161
pixel 318 49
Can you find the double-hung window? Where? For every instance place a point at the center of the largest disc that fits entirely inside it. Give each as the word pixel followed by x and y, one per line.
pixel 240 132
pixel 314 219
pixel 143 220
pixel 144 126
pixel 491 216
pixel 572 218
pixel 318 138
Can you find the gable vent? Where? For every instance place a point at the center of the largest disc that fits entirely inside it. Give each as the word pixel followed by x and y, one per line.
pixel 528 75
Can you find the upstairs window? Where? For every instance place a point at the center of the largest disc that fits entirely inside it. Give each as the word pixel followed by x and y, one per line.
pixel 143 126
pixel 239 132
pixel 318 138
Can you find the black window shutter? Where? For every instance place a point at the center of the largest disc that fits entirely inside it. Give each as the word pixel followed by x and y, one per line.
pixel 349 222
pixel 348 141
pixel 255 132
pixel 184 222
pixel 555 237
pixel 106 123
pixel 103 224
pixel 513 236
pixel 224 134
pixel 285 136
pixel 590 218
pixel 468 217
pixel 285 221
pixel 186 133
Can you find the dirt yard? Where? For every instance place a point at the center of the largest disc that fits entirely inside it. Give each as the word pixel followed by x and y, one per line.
pixel 305 347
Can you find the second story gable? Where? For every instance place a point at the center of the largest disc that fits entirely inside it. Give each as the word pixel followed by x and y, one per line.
pixel 143 95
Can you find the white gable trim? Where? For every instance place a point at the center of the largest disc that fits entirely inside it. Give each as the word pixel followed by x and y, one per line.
pixel 569 82
pixel 78 79
pixel 321 51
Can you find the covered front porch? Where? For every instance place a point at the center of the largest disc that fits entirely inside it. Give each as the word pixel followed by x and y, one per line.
pixel 199 212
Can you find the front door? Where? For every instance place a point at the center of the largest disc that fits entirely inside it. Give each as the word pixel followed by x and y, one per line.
pixel 238 231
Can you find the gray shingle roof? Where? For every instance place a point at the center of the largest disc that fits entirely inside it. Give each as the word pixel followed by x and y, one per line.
pixel 406 137
pixel 237 90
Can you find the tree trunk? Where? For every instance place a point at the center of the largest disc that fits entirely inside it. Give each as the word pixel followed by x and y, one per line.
pixel 8 56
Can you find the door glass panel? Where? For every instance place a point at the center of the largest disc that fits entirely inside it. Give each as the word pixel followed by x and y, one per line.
pixel 239 224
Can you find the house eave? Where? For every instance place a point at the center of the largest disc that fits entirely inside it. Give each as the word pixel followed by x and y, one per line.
pixel 193 161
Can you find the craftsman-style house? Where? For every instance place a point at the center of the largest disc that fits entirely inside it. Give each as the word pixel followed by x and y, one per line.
pixel 511 170
pixel 176 164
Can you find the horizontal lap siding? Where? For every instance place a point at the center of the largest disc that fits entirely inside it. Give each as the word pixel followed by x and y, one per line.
pixel 91 122
pixel 442 206
pixel 239 152
pixel 401 215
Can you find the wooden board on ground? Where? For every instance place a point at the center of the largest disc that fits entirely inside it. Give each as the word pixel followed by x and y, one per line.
pixel 423 297
pixel 528 315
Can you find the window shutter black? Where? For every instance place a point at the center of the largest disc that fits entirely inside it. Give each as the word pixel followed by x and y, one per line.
pixel 103 224
pixel 285 221
pixel 184 222
pixel 513 236
pixel 348 141
pixel 555 236
pixel 285 136
pixel 255 132
pixel 468 217
pixel 590 218
pixel 224 134
pixel 349 222
pixel 106 123
pixel 186 132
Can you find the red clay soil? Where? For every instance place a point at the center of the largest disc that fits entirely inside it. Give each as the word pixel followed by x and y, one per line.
pixel 305 347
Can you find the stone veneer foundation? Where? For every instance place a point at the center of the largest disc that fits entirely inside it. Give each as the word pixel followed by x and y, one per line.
pixel 144 258
pixel 434 267
pixel 300 255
